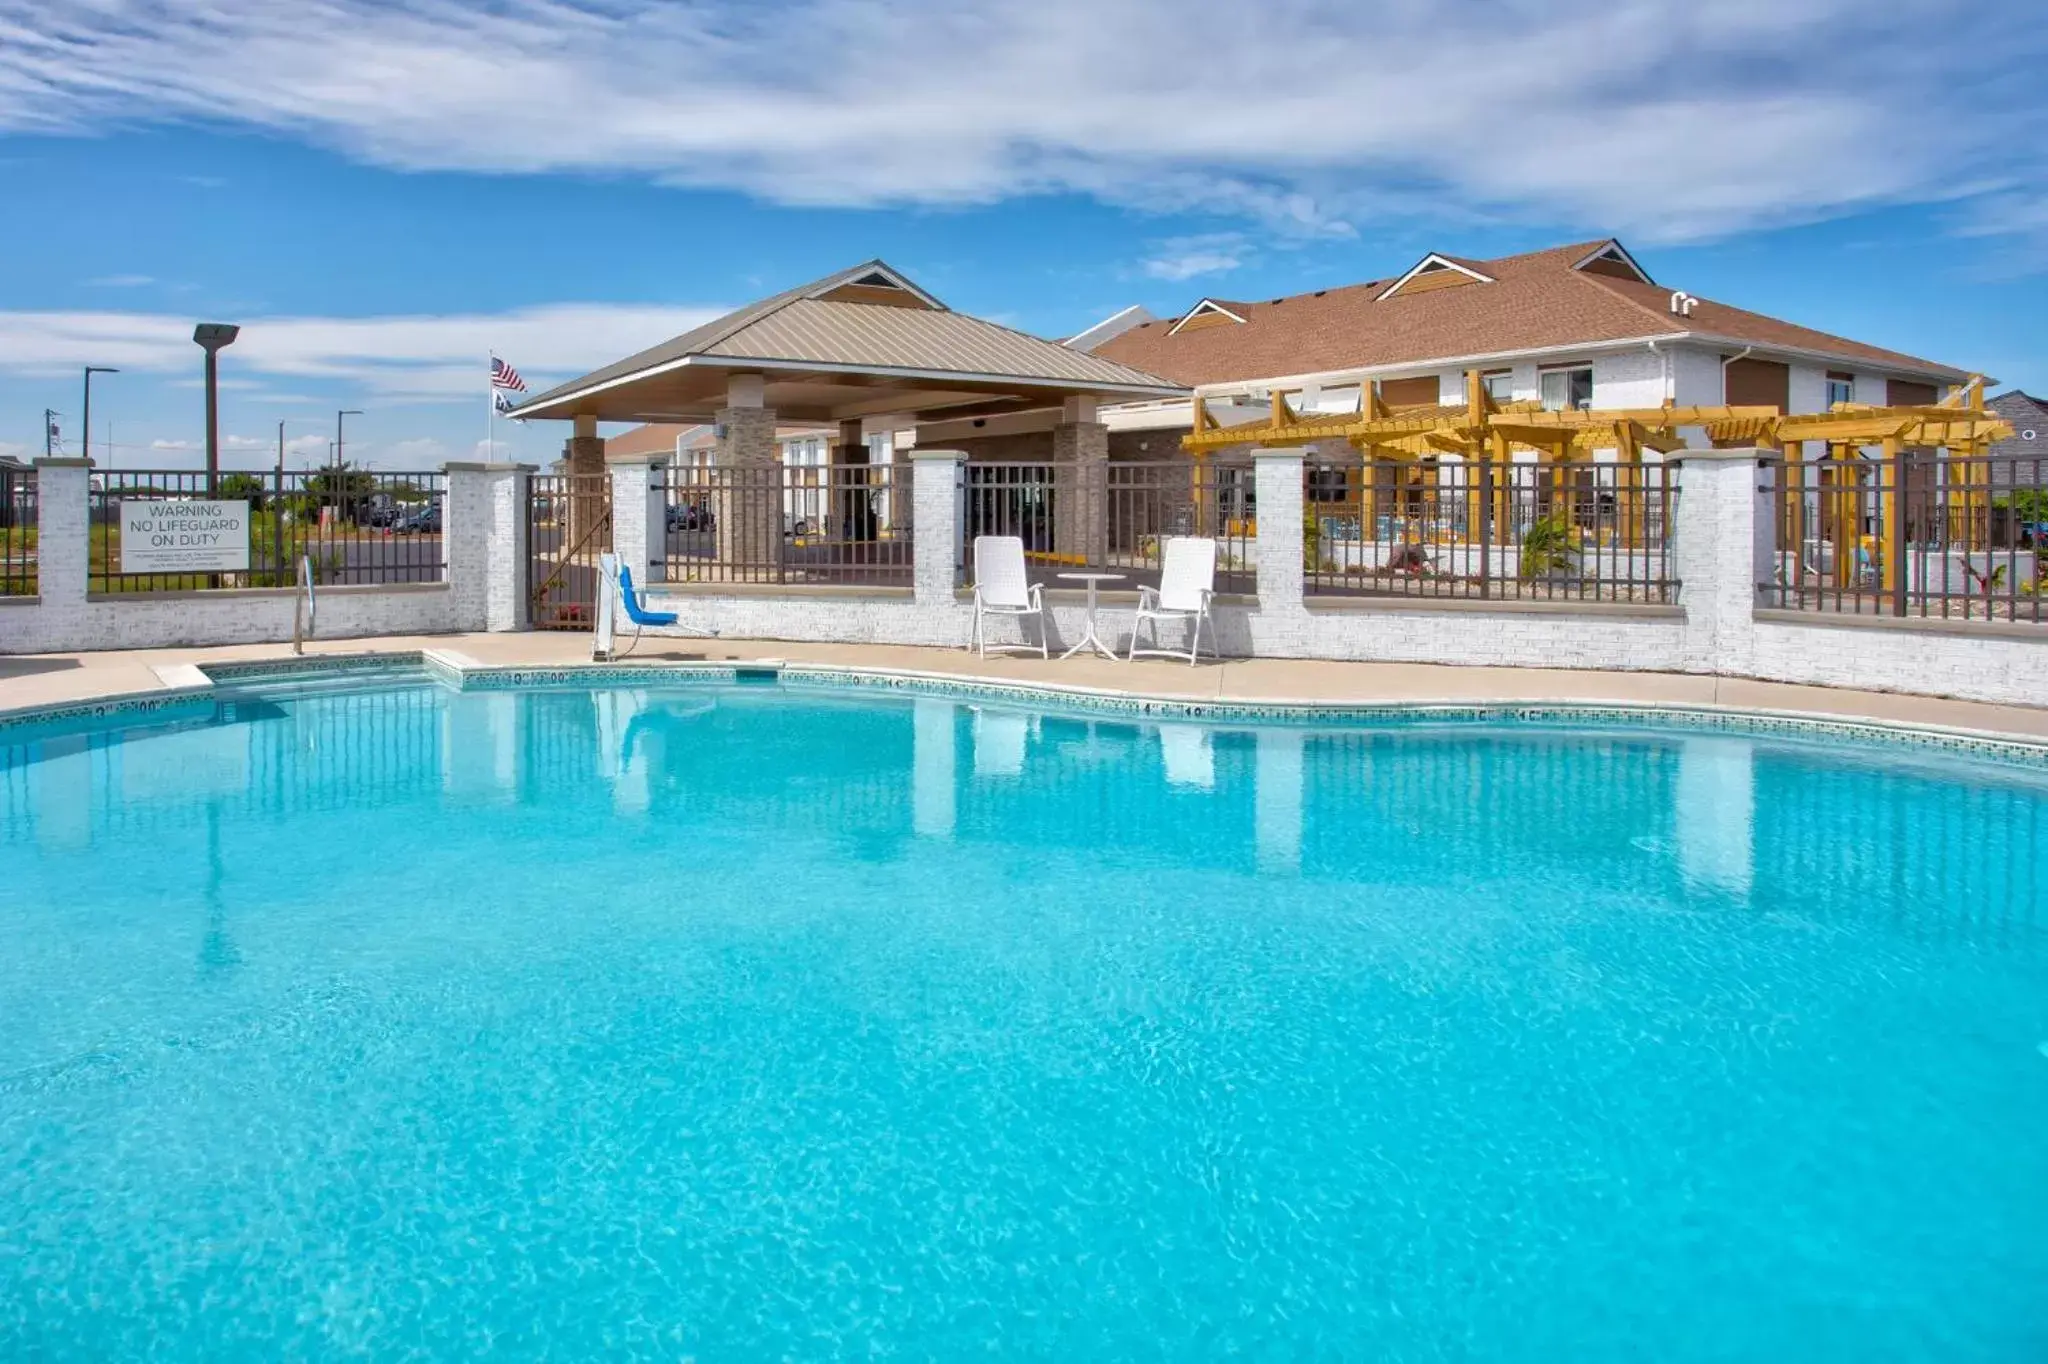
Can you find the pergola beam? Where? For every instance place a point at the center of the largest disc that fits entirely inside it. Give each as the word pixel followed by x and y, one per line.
pixel 1480 424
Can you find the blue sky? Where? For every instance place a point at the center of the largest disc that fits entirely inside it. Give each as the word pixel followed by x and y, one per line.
pixel 380 193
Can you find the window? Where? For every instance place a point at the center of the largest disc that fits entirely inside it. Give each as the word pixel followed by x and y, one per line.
pixel 1841 389
pixel 1500 385
pixel 1328 485
pixel 1568 390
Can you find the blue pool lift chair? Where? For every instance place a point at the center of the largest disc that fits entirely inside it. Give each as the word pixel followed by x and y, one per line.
pixel 616 596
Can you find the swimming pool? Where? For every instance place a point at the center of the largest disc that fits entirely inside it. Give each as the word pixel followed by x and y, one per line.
pixel 739 1021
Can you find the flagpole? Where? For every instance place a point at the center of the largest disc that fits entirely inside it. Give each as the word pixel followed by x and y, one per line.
pixel 490 407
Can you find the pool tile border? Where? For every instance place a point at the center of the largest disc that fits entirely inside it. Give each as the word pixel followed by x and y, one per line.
pixel 463 676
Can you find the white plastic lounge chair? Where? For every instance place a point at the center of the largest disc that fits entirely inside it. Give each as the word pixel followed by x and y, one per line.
pixel 1187 580
pixel 1000 589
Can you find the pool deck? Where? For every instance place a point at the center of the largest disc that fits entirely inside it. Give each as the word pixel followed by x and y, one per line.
pixel 49 679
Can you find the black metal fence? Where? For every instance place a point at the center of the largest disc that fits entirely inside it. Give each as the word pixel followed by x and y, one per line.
pixel 786 524
pixel 1918 534
pixel 1115 517
pixel 1487 530
pixel 18 532
pixel 568 527
pixel 355 525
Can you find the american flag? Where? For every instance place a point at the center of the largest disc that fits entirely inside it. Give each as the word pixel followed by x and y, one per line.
pixel 504 376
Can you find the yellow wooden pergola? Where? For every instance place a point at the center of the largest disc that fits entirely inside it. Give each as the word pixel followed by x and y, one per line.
pixel 1483 429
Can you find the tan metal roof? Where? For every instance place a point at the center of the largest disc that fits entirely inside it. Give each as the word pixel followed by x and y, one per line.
pixel 920 338
pixel 861 334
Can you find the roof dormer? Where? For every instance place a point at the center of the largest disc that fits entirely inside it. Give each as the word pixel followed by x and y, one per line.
pixel 1611 259
pixel 1435 272
pixel 1209 312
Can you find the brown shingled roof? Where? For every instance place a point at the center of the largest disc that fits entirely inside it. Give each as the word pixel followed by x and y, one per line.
pixel 1538 301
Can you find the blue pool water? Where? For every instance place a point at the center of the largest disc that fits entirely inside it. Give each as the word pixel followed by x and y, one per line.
pixel 740 1023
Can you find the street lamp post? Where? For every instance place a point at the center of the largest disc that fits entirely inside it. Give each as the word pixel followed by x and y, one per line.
pixel 335 475
pixel 212 337
pixel 85 423
pixel 344 412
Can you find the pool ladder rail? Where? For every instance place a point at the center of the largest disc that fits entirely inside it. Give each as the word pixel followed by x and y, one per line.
pixel 304 606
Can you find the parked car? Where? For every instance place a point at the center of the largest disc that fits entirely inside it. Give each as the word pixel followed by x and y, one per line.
pixel 421 521
pixel 689 516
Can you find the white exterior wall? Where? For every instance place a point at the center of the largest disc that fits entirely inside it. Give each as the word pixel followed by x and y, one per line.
pixel 1695 375
pixel 1628 378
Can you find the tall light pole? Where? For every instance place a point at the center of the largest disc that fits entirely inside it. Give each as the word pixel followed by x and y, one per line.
pixel 280 444
pixel 85 422
pixel 212 337
pixel 344 412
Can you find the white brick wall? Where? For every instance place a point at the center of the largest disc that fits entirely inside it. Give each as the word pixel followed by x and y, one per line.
pixel 1903 659
pixel 64 618
pixel 1720 546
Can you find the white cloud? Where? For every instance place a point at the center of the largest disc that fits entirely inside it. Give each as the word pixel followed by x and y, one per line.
pixel 13 449
pixel 421 453
pixel 1657 117
pixel 424 358
pixel 120 281
pixel 1182 258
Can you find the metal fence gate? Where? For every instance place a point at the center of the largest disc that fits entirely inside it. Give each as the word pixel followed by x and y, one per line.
pixel 568 525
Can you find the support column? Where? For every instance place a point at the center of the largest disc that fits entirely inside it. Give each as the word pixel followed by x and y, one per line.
pixel 1277 475
pixel 583 452
pixel 640 515
pixel 936 542
pixel 63 557
pixel 1725 542
pixel 1080 449
pixel 490 559
pixel 902 503
pixel 853 509
pixel 750 502
pixel 583 461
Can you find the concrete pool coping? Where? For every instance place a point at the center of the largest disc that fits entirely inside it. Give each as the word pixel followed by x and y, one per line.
pixel 39 682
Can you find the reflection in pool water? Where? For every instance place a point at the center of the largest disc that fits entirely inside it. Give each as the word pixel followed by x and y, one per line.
pixel 750 1023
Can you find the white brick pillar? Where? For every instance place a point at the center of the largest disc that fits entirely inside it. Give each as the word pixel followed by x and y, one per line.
pixel 489 559
pixel 640 515
pixel 1722 547
pixel 935 525
pixel 1277 481
pixel 63 487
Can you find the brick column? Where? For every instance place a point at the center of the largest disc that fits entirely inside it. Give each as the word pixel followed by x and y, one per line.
pixel 1277 482
pixel 750 503
pixel 63 489
pixel 490 559
pixel 902 503
pixel 1080 445
pixel 935 546
pixel 853 510
pixel 583 461
pixel 1723 543
pixel 640 515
